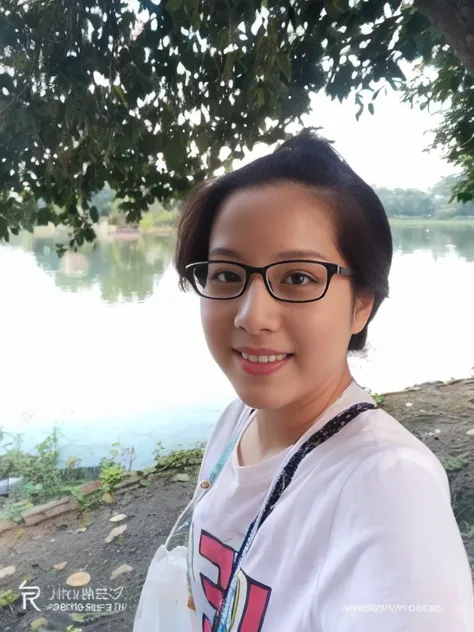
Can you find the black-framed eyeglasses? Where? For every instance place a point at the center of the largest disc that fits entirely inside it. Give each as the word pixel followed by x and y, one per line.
pixel 292 281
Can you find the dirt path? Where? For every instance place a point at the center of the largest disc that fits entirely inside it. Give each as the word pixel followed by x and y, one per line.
pixel 150 515
pixel 440 414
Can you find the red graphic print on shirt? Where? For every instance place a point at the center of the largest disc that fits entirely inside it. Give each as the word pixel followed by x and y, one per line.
pixel 251 597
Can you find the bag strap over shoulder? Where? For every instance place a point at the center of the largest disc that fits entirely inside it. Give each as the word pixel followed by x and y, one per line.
pixel 183 522
pixel 218 467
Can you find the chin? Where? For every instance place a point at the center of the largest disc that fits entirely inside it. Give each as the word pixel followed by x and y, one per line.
pixel 263 397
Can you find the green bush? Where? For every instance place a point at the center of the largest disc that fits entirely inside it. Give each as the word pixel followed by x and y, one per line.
pixel 178 460
pixel 111 473
pixel 42 478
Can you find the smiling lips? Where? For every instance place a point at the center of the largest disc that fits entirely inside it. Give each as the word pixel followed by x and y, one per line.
pixel 261 361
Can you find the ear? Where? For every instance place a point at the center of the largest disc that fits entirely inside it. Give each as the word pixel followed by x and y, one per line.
pixel 363 306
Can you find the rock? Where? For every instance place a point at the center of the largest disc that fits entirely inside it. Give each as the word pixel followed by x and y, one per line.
pixel 7 571
pixel 78 579
pixel 470 432
pixel 125 568
pixel 408 405
pixel 108 498
pixel 132 481
pixel 79 618
pixel 49 510
pixel 90 488
pixel 38 623
pixel 116 532
pixel 61 566
pixel 118 518
pixel 6 525
pixel 180 478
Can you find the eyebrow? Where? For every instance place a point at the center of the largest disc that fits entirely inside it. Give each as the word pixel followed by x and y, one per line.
pixel 287 254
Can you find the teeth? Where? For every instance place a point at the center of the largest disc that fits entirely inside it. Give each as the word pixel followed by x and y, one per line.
pixel 263 359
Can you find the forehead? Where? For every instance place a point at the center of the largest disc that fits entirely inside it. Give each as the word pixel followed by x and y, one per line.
pixel 262 221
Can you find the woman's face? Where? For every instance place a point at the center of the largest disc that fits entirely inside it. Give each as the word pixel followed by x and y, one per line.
pixel 260 226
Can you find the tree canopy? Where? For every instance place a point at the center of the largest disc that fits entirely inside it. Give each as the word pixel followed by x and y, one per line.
pixel 143 95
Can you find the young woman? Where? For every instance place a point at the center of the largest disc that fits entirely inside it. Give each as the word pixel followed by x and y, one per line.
pixel 327 515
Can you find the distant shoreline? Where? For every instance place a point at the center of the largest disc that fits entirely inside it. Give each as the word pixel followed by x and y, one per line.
pixel 403 222
pixel 105 231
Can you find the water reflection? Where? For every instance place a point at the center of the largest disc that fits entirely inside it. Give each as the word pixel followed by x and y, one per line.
pixel 440 240
pixel 124 269
pixel 102 342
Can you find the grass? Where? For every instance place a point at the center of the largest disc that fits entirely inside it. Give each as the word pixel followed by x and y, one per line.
pixel 44 480
pixel 416 222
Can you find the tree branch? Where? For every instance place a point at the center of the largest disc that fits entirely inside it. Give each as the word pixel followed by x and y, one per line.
pixel 455 20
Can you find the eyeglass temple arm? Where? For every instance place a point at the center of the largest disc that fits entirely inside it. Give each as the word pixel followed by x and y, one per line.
pixel 344 271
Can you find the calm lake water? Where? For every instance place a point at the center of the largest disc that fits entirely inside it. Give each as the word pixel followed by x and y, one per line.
pixel 104 345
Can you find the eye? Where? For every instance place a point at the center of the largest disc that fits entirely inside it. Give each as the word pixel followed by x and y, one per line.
pixel 298 278
pixel 226 276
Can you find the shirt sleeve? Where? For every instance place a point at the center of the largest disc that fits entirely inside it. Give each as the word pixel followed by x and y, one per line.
pixel 395 560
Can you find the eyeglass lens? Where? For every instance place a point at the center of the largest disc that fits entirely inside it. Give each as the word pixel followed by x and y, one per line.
pixel 291 281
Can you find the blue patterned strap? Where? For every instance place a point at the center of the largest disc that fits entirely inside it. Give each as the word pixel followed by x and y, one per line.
pixel 216 470
pixel 218 467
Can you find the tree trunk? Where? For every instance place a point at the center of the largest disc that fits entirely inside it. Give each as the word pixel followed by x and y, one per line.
pixel 455 20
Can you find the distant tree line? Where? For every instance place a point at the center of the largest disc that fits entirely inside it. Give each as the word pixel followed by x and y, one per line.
pixel 157 214
pixel 436 203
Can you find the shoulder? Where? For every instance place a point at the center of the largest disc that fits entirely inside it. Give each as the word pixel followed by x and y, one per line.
pixel 375 440
pixel 397 484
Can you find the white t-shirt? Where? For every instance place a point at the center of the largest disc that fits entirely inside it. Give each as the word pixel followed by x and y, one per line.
pixel 363 540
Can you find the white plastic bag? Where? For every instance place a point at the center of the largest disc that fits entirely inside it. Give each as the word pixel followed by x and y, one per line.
pixel 163 601
pixel 163 605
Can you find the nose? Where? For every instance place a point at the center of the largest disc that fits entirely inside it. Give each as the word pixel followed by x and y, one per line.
pixel 257 309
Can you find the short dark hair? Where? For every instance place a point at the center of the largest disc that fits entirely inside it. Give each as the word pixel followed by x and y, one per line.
pixel 362 228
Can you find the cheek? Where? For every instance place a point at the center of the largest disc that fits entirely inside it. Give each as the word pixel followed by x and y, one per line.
pixel 325 326
pixel 215 323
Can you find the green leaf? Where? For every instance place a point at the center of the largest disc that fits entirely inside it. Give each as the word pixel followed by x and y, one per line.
pixel 203 140
pixel 229 66
pixel 222 39
pixel 260 98
pixel 371 108
pixel 4 229
pixel 191 7
pixel 94 213
pixel 174 153
pixel 284 64
pixel 121 95
pixel 174 5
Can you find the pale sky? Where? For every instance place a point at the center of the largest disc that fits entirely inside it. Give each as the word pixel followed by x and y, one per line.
pixel 386 149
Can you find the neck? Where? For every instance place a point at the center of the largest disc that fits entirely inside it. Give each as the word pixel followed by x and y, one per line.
pixel 281 428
